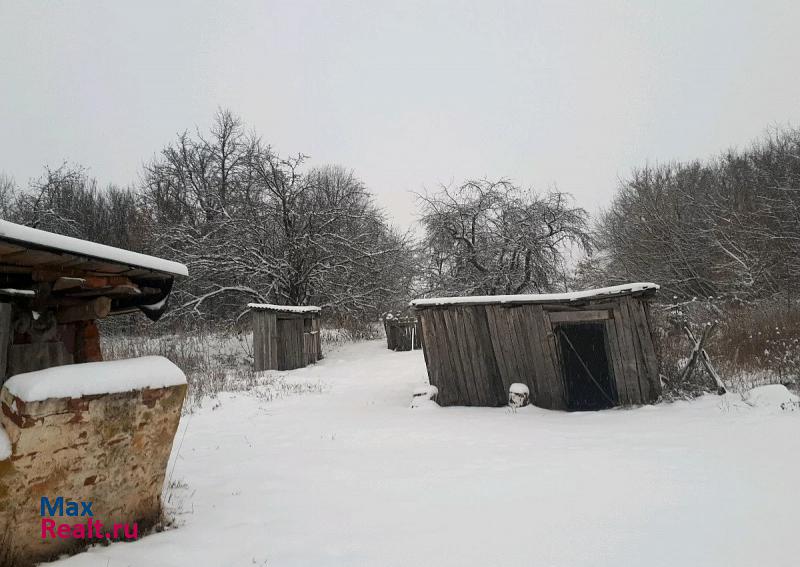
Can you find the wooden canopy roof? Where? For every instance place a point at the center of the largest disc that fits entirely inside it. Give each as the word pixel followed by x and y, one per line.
pixel 52 271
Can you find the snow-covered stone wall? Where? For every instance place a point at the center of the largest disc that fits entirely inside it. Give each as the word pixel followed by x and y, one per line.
pixel 110 449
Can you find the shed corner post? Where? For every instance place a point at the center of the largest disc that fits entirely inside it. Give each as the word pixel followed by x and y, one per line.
pixel 5 338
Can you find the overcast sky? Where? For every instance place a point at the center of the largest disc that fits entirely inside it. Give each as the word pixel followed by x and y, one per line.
pixel 408 94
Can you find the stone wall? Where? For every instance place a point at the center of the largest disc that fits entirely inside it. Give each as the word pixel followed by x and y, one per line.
pixel 111 450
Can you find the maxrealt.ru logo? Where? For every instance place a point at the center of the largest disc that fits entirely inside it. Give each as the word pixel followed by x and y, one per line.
pixel 88 529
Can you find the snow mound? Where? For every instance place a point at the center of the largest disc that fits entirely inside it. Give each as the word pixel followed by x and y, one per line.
pixel 518 395
pixel 425 396
pixel 774 395
pixel 92 378
pixel 5 445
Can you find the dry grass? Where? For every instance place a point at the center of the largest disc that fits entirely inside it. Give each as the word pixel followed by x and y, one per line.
pixel 751 345
pixel 214 361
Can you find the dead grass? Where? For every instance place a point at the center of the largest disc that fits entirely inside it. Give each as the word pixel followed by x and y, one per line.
pixel 214 361
pixel 752 345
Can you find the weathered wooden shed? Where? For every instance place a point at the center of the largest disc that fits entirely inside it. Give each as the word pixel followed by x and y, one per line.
pixel 53 289
pixel 285 337
pixel 582 350
pixel 403 332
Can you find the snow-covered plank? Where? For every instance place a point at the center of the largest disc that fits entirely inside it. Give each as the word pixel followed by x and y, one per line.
pixel 536 298
pixel 93 378
pixel 285 308
pixel 26 235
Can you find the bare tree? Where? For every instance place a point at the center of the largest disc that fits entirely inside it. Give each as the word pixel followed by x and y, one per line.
pixel 492 237
pixel 275 232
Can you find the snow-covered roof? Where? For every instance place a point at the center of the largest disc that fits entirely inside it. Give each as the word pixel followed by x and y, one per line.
pixel 624 289
pixel 92 378
pixel 285 308
pixel 40 238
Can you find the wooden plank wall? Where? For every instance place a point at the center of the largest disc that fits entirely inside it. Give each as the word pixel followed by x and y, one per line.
pixel 474 353
pixel 37 356
pixel 633 353
pixel 290 344
pixel 526 352
pixel 265 341
pixel 458 349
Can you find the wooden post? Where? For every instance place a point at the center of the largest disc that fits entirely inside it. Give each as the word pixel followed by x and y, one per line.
pixel 87 342
pixel 315 325
pixel 5 338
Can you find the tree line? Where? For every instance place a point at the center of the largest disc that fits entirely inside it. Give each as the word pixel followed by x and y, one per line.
pixel 726 228
pixel 254 225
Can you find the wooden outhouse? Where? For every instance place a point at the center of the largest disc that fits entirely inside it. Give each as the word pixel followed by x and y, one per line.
pixel 582 350
pixel 53 289
pixel 403 332
pixel 285 337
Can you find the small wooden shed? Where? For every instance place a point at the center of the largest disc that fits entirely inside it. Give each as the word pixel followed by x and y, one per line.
pixel 403 332
pixel 582 350
pixel 285 337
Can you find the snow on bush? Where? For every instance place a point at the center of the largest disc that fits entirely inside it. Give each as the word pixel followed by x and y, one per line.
pixel 774 395
pixel 425 396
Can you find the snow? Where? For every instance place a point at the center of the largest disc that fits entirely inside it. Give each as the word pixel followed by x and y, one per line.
pixel 91 378
pixel 772 396
pixel 26 234
pixel 535 298
pixel 285 308
pixel 425 397
pixel 5 444
pixel 520 389
pixel 353 477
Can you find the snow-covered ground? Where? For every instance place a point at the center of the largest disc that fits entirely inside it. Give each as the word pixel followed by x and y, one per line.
pixel 352 476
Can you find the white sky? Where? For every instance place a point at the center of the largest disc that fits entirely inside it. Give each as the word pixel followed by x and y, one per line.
pixel 408 94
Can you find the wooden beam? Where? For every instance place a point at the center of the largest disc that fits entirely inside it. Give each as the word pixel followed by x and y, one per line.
pixel 119 290
pixel 579 316
pixel 63 283
pixel 95 309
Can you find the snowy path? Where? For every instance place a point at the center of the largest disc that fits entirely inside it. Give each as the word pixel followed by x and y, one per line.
pixel 353 477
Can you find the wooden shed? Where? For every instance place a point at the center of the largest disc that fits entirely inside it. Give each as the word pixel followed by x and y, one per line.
pixel 53 289
pixel 285 337
pixel 582 350
pixel 403 332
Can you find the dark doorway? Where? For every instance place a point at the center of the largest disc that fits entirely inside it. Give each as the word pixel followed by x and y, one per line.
pixel 584 363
